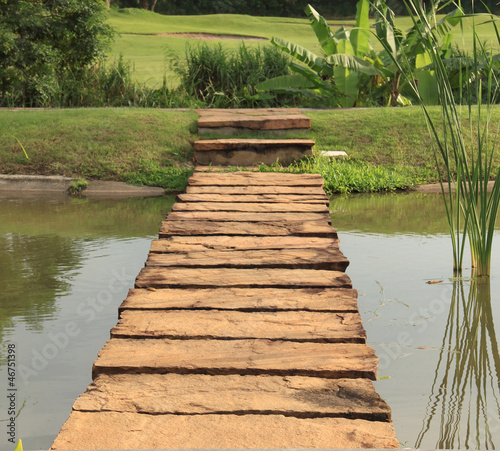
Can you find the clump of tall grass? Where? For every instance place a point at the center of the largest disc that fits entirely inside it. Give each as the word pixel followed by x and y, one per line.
pixel 223 78
pixel 350 176
pixel 471 210
pixel 102 85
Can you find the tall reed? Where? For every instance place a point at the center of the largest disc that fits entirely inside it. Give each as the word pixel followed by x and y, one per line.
pixel 467 162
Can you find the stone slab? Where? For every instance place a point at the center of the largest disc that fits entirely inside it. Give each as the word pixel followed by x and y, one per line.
pixel 237 216
pixel 263 189
pixel 231 131
pixel 255 207
pixel 245 357
pixel 334 153
pixel 208 145
pixel 225 242
pixel 152 277
pixel 247 111
pixel 330 258
pixel 243 299
pixel 91 430
pixel 212 324
pixel 255 178
pixel 297 228
pixel 258 395
pixel 258 155
pixel 257 198
pixel 251 122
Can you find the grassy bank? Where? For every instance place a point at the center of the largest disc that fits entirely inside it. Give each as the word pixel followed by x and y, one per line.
pixel 388 148
pixel 140 36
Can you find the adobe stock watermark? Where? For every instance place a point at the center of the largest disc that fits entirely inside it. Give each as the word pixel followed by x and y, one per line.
pixel 425 315
pixel 88 310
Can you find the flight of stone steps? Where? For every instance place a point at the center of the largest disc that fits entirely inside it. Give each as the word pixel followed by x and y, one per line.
pixel 248 152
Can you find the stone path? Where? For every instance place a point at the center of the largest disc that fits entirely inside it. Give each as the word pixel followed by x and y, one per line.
pixel 242 331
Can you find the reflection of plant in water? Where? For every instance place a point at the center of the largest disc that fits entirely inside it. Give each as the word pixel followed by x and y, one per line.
pixel 464 406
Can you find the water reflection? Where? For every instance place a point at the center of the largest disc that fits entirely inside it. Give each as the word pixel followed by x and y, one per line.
pixel 464 410
pixel 401 213
pixel 44 242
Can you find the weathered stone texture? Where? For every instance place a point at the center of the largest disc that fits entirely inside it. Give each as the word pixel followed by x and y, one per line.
pixel 151 277
pixel 296 326
pixel 191 394
pixel 245 299
pixel 330 360
pixel 112 430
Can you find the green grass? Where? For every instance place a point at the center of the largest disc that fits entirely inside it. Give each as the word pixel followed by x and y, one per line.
pixel 107 144
pixel 389 148
pixel 137 41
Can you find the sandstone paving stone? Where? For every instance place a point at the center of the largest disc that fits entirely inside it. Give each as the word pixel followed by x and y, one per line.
pixel 256 179
pixel 246 357
pixel 239 216
pixel 247 111
pixel 202 324
pixel 184 244
pixel 152 277
pixel 316 258
pixel 204 394
pixel 251 207
pixel 244 299
pixel 296 228
pixel 254 190
pixel 263 122
pixel 245 143
pixel 114 430
pixel 256 198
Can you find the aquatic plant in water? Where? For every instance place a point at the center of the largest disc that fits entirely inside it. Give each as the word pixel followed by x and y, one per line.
pixel 463 153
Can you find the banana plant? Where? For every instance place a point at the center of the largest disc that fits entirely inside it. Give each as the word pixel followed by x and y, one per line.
pixel 336 73
pixel 399 48
pixel 350 71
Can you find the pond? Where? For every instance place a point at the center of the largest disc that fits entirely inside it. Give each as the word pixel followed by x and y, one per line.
pixel 66 265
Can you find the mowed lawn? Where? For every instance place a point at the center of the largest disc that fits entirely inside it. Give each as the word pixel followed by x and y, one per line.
pixel 139 37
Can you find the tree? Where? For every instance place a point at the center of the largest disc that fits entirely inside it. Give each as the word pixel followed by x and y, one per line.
pixel 41 41
pixel 145 4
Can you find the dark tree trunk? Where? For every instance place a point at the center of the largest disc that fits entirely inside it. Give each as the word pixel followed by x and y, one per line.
pixel 144 4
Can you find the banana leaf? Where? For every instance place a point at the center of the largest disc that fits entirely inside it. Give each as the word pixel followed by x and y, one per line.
pixel 353 63
pixel 322 31
pixel 346 79
pixel 360 36
pixel 303 55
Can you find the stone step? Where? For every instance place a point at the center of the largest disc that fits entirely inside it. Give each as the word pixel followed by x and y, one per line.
pixel 245 357
pixel 257 190
pixel 199 394
pixel 341 300
pixel 330 258
pixel 234 152
pixel 256 198
pixel 242 216
pixel 318 327
pixel 319 228
pixel 247 179
pixel 227 123
pixel 153 277
pixel 251 207
pixel 130 430
pixel 220 242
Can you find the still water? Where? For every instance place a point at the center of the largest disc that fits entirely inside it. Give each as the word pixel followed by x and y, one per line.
pixel 66 265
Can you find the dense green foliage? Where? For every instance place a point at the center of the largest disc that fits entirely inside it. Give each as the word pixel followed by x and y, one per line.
pixel 224 79
pixel 43 42
pixel 350 70
pixel 278 8
pixel 466 152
